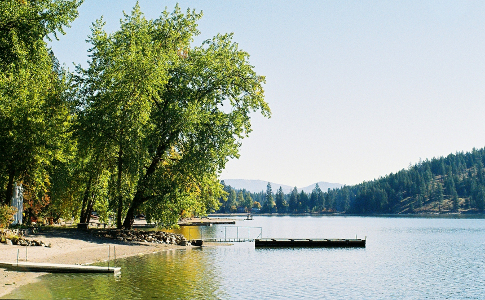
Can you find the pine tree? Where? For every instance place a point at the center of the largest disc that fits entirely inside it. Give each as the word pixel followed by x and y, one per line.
pixel 281 204
pixel 304 202
pixel 269 205
pixel 294 199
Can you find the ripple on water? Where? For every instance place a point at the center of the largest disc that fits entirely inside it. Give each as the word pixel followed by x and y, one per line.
pixel 405 258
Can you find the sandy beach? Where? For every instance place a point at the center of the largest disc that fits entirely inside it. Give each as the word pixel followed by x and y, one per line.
pixel 68 246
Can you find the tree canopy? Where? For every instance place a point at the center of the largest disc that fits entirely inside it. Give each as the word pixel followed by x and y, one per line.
pixel 146 127
pixel 164 116
pixel 35 110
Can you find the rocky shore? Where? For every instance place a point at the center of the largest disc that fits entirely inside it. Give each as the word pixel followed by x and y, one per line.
pixel 17 237
pixel 156 237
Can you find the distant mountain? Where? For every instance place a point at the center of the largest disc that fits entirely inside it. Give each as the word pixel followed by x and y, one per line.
pixel 256 186
pixel 324 186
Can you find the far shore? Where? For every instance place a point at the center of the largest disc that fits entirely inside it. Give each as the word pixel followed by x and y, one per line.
pixel 330 214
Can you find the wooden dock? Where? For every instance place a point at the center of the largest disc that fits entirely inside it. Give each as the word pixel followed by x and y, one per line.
pixel 205 222
pixel 308 243
pixel 57 268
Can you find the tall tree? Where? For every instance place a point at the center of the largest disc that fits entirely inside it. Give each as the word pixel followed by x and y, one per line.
pixel 34 108
pixel 170 115
pixel 269 204
pixel 317 199
pixel 303 204
pixel 240 199
pixel 438 193
pixel 231 203
pixel 294 200
pixel 280 201
pixel 248 201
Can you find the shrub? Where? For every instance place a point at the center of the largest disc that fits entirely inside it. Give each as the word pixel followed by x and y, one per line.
pixel 6 215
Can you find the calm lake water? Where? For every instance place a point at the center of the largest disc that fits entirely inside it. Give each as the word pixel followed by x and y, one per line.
pixel 405 258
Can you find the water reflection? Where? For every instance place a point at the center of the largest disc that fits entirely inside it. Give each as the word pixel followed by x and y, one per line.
pixel 240 231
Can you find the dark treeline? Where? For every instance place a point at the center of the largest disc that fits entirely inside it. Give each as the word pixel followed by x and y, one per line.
pixel 455 183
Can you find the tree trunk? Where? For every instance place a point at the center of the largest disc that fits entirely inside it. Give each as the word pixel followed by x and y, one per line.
pixel 118 188
pixel 85 201
pixel 9 192
pixel 89 210
pixel 130 215
pixel 138 200
pixel 130 218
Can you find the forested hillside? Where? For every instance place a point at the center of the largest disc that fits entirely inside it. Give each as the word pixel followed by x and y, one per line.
pixel 455 183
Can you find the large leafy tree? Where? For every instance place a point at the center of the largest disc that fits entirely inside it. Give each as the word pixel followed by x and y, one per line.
pixel 166 116
pixel 34 110
pixel 248 201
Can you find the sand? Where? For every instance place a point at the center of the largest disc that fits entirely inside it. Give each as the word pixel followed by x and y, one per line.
pixel 68 246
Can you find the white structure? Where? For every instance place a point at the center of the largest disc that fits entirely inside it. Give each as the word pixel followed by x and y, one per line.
pixel 18 202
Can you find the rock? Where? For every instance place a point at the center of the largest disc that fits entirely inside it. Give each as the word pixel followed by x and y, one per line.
pixel 156 237
pixel 8 242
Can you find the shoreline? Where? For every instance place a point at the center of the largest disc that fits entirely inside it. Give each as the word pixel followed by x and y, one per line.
pixel 69 246
pixel 336 214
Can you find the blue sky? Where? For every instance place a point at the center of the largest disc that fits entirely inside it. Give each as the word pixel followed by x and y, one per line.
pixel 358 89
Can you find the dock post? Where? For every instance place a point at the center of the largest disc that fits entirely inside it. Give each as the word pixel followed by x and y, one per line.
pixel 237 230
pixel 109 251
pixel 114 249
pixel 26 253
pixel 18 251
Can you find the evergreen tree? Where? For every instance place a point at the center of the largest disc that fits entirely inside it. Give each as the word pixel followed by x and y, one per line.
pixel 317 199
pixel 480 199
pixel 294 199
pixel 438 193
pixel 303 204
pixel 329 200
pixel 455 201
pixel 281 204
pixel 269 205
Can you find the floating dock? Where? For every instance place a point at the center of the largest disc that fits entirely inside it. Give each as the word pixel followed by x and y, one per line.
pixel 57 268
pixel 308 243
